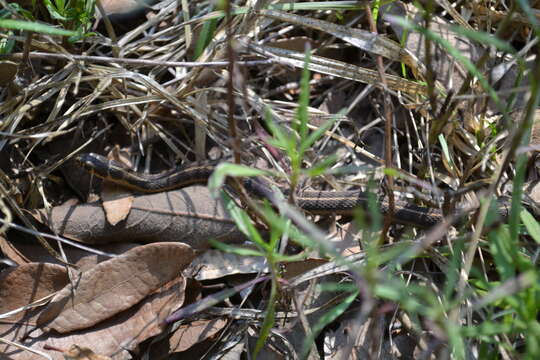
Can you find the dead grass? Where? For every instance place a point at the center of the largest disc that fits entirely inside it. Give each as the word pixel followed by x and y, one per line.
pixel 450 122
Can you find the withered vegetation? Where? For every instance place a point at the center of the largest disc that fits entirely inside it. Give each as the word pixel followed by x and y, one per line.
pixel 431 104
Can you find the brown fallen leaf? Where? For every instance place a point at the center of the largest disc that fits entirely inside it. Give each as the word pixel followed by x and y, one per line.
pixel 84 260
pixel 28 283
pixel 187 215
pixel 114 286
pixel 88 261
pixel 12 253
pixel 116 336
pixel 295 268
pixel 116 203
pixel 22 286
pixel 193 333
pixel 8 71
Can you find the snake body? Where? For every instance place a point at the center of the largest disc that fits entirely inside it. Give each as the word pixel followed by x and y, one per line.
pixel 313 202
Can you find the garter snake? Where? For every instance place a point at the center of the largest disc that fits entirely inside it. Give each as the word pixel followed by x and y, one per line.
pixel 313 202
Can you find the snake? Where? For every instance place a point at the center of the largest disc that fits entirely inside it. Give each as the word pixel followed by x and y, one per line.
pixel 313 202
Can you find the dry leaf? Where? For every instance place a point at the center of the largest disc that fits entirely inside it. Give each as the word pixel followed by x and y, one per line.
pixel 12 253
pixel 116 200
pixel 337 68
pixel 187 215
pixel 8 70
pixel 27 283
pixel 22 286
pixel 88 261
pixel 115 285
pixel 84 260
pixel 194 332
pixel 366 40
pixel 354 340
pixel 115 336
pixel 116 203
pixel 295 268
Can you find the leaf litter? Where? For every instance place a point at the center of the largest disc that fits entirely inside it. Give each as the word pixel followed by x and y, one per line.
pixel 117 308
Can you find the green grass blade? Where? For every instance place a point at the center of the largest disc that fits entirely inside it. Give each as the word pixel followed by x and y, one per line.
pixel 501 250
pixel 207 32
pixel 269 319
pixel 531 224
pixel 321 167
pixel 243 222
pixel 484 38
pixel 446 152
pixel 35 27
pixel 55 12
pixel 224 170
pixel 302 116
pixel 235 249
pixel 326 319
pixel 279 140
pixel 316 135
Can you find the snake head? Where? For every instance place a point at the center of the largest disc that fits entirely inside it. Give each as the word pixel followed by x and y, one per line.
pixel 91 162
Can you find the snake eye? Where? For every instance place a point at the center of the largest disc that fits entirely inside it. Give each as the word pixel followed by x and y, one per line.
pixel 87 161
pixel 81 159
pixel 94 164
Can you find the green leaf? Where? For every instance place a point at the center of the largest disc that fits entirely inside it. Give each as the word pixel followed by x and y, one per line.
pixel 279 223
pixel 321 167
pixel 326 319
pixel 60 5
pixel 276 143
pixel 35 27
pixel 315 135
pixel 243 221
pixel 6 46
pixel 55 12
pixel 302 116
pixel 280 140
pixel 531 224
pixel 487 328
pixel 269 319
pixel 80 35
pixel 235 249
pixel 484 38
pixel 500 243
pixel 392 172
pixel 207 33
pixel 453 268
pixel 445 150
pixel 6 14
pixel 227 169
pixel 290 258
pixel 397 291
